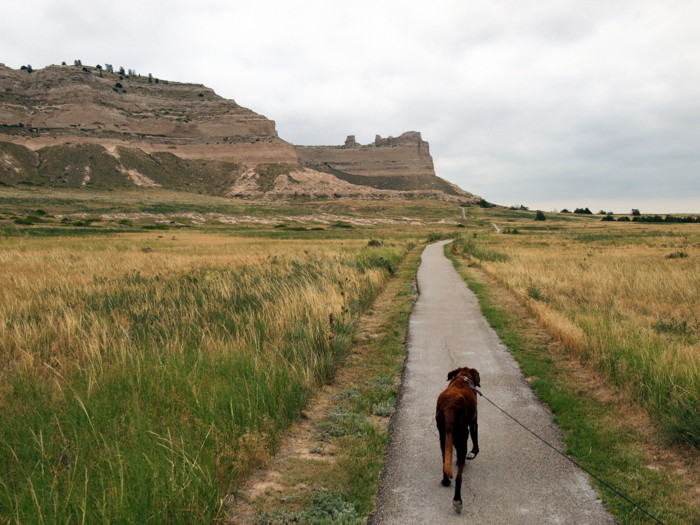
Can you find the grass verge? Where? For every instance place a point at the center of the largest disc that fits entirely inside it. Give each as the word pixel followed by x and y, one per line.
pixel 608 437
pixel 328 469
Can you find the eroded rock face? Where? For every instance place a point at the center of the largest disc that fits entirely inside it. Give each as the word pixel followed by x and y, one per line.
pixel 61 104
pixel 400 163
pixel 405 155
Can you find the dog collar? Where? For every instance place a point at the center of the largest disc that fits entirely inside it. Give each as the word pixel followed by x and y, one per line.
pixel 469 384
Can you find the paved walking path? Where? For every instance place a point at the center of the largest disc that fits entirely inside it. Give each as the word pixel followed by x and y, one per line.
pixel 515 479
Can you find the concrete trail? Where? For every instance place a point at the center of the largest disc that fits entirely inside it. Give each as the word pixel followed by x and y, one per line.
pixel 515 479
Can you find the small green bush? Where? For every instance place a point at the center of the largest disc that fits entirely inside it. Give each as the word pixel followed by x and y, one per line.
pixel 474 249
pixel 383 409
pixel 434 237
pixel 325 508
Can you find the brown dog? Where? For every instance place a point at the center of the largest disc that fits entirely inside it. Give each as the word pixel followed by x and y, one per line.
pixel 456 420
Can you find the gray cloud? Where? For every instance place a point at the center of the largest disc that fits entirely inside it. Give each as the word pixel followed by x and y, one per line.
pixel 523 102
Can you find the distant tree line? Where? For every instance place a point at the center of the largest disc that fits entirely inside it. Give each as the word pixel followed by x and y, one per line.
pixel 585 211
pixel 666 219
pixel 637 216
pixel 109 68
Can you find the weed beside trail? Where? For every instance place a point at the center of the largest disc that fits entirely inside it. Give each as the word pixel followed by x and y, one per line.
pixel 138 385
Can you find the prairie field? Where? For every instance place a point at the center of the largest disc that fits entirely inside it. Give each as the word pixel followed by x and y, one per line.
pixel 141 374
pixel 624 297
pixel 155 346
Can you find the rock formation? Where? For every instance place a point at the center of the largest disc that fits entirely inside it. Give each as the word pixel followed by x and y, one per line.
pixel 407 154
pixel 400 163
pixel 79 126
pixel 85 105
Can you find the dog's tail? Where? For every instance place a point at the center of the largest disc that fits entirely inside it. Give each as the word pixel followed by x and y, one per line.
pixel 447 465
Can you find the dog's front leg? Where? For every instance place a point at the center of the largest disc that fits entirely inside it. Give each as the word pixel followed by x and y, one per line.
pixel 474 433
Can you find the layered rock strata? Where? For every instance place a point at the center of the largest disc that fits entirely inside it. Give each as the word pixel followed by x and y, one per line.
pixel 400 163
pixel 405 155
pixel 80 126
pixel 75 104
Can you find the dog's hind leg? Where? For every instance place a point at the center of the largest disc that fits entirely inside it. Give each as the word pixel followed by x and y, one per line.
pixel 474 433
pixel 445 480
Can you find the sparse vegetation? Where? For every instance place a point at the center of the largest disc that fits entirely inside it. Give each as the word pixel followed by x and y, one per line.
pixel 325 508
pixel 485 204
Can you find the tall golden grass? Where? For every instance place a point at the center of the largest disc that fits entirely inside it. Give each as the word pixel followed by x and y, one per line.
pixel 624 297
pixel 141 375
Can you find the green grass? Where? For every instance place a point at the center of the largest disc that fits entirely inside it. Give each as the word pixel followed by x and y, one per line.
pixel 345 490
pixel 466 246
pixel 593 435
pixel 144 396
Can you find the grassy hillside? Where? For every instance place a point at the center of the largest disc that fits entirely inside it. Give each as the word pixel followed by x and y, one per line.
pixel 394 182
pixel 92 166
pixel 18 165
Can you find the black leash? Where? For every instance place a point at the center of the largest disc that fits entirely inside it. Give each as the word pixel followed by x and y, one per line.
pixel 606 485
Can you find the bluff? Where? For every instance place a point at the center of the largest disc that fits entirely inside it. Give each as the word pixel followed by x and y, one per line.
pixel 81 126
pixel 84 105
pixel 400 163
pixel 405 155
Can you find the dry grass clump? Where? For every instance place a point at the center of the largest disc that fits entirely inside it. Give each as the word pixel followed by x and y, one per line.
pixel 137 385
pixel 613 297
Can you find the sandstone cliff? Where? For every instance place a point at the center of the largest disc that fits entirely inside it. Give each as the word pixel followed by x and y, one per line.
pixel 86 105
pixel 405 155
pixel 400 163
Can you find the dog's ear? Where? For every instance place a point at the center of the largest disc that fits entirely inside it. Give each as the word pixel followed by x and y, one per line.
pixel 475 376
pixel 452 374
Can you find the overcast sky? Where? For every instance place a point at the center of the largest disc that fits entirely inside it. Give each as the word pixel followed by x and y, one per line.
pixel 550 104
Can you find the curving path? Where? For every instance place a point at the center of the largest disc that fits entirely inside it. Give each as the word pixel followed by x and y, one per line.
pixel 515 479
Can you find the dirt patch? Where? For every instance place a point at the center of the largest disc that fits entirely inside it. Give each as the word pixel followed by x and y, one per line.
pixel 141 180
pixel 201 218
